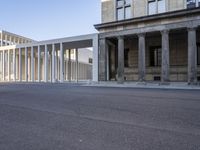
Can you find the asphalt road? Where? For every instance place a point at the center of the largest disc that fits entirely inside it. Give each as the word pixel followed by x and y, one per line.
pixel 71 117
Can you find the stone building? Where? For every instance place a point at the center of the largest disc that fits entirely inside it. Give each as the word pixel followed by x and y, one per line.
pixel 149 40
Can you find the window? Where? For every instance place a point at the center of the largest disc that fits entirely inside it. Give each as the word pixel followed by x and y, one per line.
pixel 156 6
pixel 123 9
pixel 193 3
pixel 198 54
pixel 155 56
pixel 90 60
pixel 126 52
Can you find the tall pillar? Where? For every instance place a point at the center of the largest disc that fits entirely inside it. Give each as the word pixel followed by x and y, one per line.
pixel 120 70
pixel 69 66
pixel 46 65
pixel 32 65
pixel 8 64
pixel 3 65
pixel 61 63
pixel 192 59
pixel 165 56
pixel 6 38
pixel 102 59
pixel 14 64
pixel 20 64
pixel 141 58
pixel 2 38
pixel 53 63
pixel 26 64
pixel 10 40
pixel 95 64
pixel 56 65
pixel 39 64
pixel 77 66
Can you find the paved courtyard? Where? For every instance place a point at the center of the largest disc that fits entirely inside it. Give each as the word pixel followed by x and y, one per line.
pixel 73 117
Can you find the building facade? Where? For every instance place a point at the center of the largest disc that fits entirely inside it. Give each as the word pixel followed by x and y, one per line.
pixel 149 40
pixel 58 60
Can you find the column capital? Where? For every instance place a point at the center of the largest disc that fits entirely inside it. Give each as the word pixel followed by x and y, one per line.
pixel 165 31
pixel 192 28
pixel 141 34
pixel 120 37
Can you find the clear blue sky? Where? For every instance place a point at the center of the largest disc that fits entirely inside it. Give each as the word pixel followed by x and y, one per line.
pixel 47 19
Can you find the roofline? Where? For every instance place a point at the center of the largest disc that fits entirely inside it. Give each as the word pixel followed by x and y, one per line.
pixel 171 14
pixel 3 31
pixel 53 41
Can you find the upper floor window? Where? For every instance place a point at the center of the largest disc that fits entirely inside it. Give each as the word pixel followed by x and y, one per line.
pixel 123 9
pixel 156 6
pixel 193 3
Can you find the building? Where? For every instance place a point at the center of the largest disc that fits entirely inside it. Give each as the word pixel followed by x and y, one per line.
pixel 149 40
pixel 58 60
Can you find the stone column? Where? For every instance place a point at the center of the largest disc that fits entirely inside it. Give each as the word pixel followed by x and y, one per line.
pixel 6 38
pixel 141 58
pixel 14 64
pixel 69 65
pixel 53 63
pixel 95 64
pixel 46 64
pixel 3 65
pixel 56 65
pixel 77 66
pixel 39 64
pixel 61 63
pixel 10 40
pixel 26 64
pixel 192 59
pixel 2 38
pixel 102 60
pixel 165 56
pixel 8 64
pixel 20 64
pixel 32 65
pixel 120 70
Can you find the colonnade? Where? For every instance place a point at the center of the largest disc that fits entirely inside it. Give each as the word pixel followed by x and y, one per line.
pixel 40 63
pixel 165 65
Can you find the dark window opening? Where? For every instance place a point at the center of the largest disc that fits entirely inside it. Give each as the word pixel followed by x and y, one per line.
pixel 90 60
pixel 155 56
pixel 198 54
pixel 193 3
pixel 126 60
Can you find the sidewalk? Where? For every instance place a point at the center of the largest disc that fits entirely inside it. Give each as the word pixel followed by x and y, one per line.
pixel 148 85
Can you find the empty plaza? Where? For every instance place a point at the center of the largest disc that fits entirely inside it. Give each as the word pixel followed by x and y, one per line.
pixel 76 117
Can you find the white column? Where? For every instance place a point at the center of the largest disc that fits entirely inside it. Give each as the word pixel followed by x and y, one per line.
pixel 26 64
pixel 18 41
pixel 95 64
pixel 2 38
pixel 8 63
pixel 53 63
pixel 6 38
pixel 32 65
pixel 10 40
pixel 14 64
pixel 77 65
pixel 29 68
pixel 56 64
pixel 46 65
pixel 20 64
pixel 3 66
pixel 39 64
pixel 61 64
pixel 14 40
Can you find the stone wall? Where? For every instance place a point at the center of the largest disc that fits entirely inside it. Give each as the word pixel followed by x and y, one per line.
pixel 139 8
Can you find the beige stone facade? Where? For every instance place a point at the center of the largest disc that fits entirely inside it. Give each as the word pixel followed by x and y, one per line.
pixel 156 47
